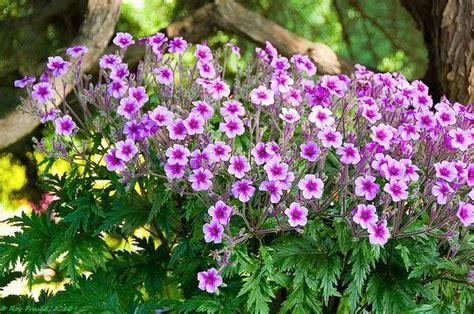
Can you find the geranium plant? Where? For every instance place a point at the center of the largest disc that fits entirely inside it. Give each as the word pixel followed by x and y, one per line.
pixel 268 189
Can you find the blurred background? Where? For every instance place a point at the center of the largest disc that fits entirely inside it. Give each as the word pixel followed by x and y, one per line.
pixel 404 36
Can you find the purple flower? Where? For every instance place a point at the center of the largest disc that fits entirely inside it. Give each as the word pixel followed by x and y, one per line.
pixel 203 109
pixel 409 131
pixel 64 125
pixel 209 280
pixel 50 115
pixel 175 171
pixel 334 85
pixel 26 80
pixel 280 63
pixel 206 70
pixel 201 179
pixel 460 139
pixel 112 162
pixel 379 160
pixel 382 134
pixel 132 130
pixel 232 127
pixel 164 75
pixel 349 154
pixel 220 212
pixel 365 215
pixel 393 169
pixel 238 166
pixel 445 116
pixel 274 188
pixel 128 107
pixel 410 170
pixel 321 117
pixel 260 154
pixel 177 130
pixel 371 113
pixel 441 190
pixel 330 137
pixel 203 53
pixel 77 51
pixel 42 92
pixel 57 66
pixel 243 190
pixel 289 115
pixel 157 40
pixel 162 116
pixel 378 233
pixel 219 151
pixel 218 89
pixel 139 93
pixel 425 120
pixel 365 186
pixel 119 72
pixel 178 154
pixel 109 61
pixel 194 124
pixel 232 108
pixel 311 186
pixel 310 151
pixel 293 97
pixel 303 64
pixel 117 88
pixel 446 171
pixel 213 231
pixel 297 215
pixel 275 169
pixel 465 213
pixel 281 82
pixel 396 189
pixel 123 40
pixel 470 175
pixel 262 96
pixel 177 45
pixel 286 183
pixel 126 149
pixel 234 49
pixel 199 159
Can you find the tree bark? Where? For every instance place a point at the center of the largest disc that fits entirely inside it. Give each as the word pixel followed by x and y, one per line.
pixel 447 27
pixel 95 32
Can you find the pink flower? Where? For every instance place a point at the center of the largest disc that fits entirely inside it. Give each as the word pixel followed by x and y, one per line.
pixel 128 107
pixel 321 117
pixel 23 82
pixel 425 120
pixel 330 137
pixel 203 109
pixel 441 191
pixel 393 169
pixel 465 213
pixel 238 166
pixel 157 40
pixel 164 75
pixel 446 171
pixel 460 139
pixel 281 82
pixel 470 175
pixel 57 66
pixel 297 215
pixel 232 108
pixel 64 125
pixel 260 154
pixel 275 169
pixel 445 116
pixel 219 151
pixel 382 134
pixel 42 92
pixel 199 159
pixel 126 150
pixel 371 113
pixel 220 212
pixel 409 132
pixel 117 88
pixel 286 183
pixel 201 179
pixel 175 171
pixel 334 85
pixel 203 53
pixel 274 188
pixel 194 124
pixel 218 89
pixel 365 186
pixel 163 117
pixel 273 149
pixel 379 160
pixel 243 190
pixel 50 115
pixel 280 63
pixel 77 51
pixel 123 40
pixel 365 215
pixel 177 130
pixel 177 45
pixel 309 151
pixel 293 97
pixel 178 154
pixel 139 93
pixel 289 115
pixel 378 233
pixel 262 96
pixel 349 154
pixel 213 231
pixel 209 280
pixel 112 162
pixel 311 186
pixel 119 72
pixel 206 70
pixel 410 170
pixel 396 189
pixel 232 127
pixel 133 130
pixel 109 61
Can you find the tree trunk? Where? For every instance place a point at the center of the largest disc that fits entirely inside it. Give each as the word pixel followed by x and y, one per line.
pixel 447 30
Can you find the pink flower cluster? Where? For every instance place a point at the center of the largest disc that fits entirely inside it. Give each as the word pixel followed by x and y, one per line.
pixel 260 150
